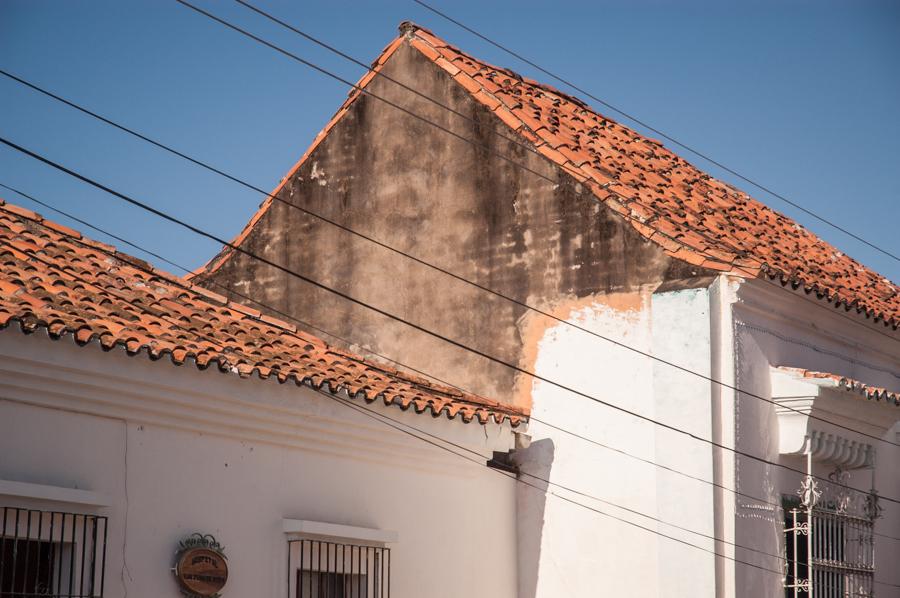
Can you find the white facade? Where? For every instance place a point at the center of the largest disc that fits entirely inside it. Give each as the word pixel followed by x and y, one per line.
pixel 733 331
pixel 165 451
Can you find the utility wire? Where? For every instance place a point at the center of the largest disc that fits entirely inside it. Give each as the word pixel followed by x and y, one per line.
pixel 526 147
pixel 465 139
pixel 399 364
pixel 406 255
pixel 381 417
pixel 385 419
pixel 444 444
pixel 644 124
pixel 412 325
pixel 480 458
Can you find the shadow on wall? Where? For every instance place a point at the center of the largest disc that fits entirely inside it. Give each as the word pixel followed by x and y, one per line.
pixel 531 498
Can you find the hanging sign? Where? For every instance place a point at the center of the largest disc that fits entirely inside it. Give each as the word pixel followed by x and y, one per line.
pixel 200 566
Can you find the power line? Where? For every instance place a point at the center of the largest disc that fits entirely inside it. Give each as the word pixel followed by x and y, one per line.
pixel 400 364
pixel 480 462
pixel 367 411
pixel 642 123
pixel 518 143
pixel 408 112
pixel 394 424
pixel 386 314
pixel 370 239
pixel 441 443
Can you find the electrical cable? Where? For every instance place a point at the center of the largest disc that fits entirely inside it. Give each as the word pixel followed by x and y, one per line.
pixel 411 257
pixel 530 148
pixel 642 123
pixel 408 112
pixel 383 245
pixel 332 395
pixel 384 313
pixel 399 364
pixel 482 459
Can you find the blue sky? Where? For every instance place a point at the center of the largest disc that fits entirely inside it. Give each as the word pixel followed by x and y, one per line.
pixel 801 96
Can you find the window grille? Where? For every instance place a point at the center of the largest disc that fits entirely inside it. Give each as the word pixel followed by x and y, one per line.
pixel 834 557
pixel 51 554
pixel 321 569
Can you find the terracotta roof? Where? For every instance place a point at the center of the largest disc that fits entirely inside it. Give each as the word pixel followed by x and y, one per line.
pixel 53 278
pixel 691 215
pixel 873 393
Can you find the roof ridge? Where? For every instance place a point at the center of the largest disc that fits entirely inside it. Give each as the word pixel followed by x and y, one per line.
pixel 692 216
pixel 544 131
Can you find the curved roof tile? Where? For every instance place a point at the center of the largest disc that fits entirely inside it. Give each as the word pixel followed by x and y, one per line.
pixel 54 278
pixel 691 215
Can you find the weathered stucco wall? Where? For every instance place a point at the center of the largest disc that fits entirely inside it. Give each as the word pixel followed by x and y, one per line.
pixel 419 189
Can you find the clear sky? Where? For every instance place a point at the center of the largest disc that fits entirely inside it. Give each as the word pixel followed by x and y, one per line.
pixel 801 96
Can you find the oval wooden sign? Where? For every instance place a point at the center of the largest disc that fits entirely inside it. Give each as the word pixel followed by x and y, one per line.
pixel 201 571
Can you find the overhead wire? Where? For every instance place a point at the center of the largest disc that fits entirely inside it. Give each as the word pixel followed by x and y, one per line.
pixel 383 245
pixel 482 462
pixel 384 313
pixel 544 480
pixel 465 139
pixel 440 443
pixel 447 272
pixel 527 147
pixel 656 131
pixel 401 365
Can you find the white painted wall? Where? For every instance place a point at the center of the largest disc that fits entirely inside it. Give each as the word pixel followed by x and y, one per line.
pixel 582 553
pixel 732 331
pixel 177 450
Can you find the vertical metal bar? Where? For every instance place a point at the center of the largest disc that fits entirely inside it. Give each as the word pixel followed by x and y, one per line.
pixel 3 547
pixel 288 588
pixel 794 547
pixel 62 532
pixel 299 592
pixel 388 573
pixel 103 562
pixel 12 585
pixel 72 558
pixel 27 551
pixel 83 549
pixel 809 518
pixel 359 571
pixel 94 554
pixel 50 552
pixel 343 577
pixel 310 574
pixel 381 579
pixel 40 536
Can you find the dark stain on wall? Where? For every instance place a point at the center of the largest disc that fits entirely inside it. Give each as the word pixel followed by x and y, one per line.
pixel 450 203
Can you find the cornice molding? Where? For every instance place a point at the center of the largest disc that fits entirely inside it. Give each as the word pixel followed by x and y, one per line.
pixel 153 393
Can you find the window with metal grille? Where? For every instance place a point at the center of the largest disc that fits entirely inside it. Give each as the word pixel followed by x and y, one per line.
pixel 51 554
pixel 830 545
pixel 334 570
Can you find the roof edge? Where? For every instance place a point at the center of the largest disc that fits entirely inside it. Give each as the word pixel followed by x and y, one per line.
pixel 216 262
pixel 486 410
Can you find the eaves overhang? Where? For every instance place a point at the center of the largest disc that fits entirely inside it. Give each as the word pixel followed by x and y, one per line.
pixel 833 418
